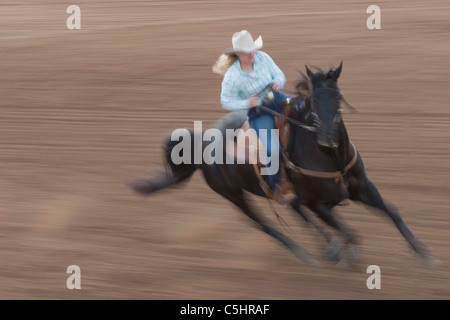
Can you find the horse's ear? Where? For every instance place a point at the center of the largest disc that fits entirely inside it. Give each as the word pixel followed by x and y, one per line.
pixel 334 74
pixel 309 72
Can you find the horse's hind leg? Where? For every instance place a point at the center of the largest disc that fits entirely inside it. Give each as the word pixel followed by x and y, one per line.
pixel 239 200
pixel 368 194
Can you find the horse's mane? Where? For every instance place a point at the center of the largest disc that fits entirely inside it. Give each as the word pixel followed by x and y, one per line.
pixel 304 86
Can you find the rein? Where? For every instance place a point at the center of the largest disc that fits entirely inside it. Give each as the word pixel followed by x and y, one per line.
pixel 296 122
pixel 277 114
pixel 300 124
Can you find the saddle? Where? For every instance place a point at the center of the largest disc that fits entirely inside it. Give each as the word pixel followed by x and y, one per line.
pixel 248 148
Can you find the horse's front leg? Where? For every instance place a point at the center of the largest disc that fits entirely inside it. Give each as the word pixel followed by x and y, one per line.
pixel 334 248
pixel 368 194
pixel 325 213
pixel 297 207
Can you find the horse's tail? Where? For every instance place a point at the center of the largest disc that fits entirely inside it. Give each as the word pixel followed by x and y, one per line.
pixel 185 169
pixel 173 174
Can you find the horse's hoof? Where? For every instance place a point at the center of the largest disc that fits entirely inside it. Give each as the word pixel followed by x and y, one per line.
pixel 428 259
pixel 312 262
pixel 343 265
pixel 431 262
pixel 333 249
pixel 352 253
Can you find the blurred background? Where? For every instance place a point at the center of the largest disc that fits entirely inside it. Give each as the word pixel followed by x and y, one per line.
pixel 84 112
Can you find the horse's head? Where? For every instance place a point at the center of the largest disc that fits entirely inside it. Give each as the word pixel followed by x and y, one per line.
pixel 325 104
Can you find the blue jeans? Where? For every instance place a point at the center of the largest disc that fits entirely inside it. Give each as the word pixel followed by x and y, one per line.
pixel 260 119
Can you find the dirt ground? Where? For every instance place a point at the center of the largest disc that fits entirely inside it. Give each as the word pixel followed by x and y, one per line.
pixel 83 112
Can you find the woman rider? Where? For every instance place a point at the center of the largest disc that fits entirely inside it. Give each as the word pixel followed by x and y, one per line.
pixel 247 72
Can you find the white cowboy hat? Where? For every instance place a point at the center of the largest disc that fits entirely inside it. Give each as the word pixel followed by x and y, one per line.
pixel 243 42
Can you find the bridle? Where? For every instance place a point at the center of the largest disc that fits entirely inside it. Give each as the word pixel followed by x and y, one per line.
pixel 316 118
pixel 338 176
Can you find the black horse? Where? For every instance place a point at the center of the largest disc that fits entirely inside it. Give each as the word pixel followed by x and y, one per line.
pixel 322 164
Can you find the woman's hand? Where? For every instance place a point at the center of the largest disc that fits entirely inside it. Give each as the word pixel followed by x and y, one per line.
pixel 253 101
pixel 276 87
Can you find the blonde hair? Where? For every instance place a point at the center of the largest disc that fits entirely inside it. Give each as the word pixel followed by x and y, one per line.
pixel 224 62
